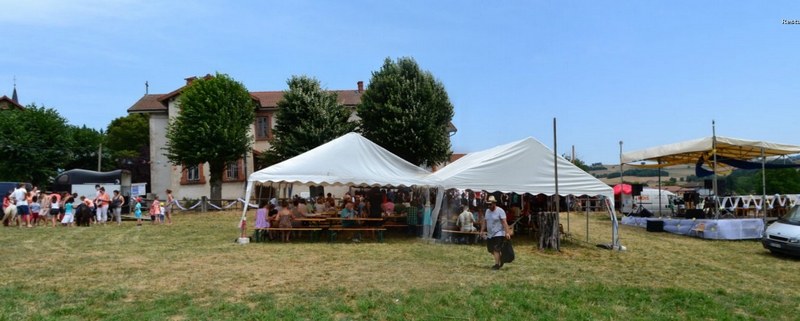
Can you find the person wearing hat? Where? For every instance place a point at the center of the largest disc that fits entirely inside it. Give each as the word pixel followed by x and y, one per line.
pixel 494 222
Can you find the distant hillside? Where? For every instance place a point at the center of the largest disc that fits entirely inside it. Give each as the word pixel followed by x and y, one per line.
pixel 678 172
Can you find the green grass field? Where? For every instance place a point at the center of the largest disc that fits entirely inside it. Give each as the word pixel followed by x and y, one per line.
pixel 193 270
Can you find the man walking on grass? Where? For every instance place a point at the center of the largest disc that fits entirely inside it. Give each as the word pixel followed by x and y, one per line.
pixel 495 223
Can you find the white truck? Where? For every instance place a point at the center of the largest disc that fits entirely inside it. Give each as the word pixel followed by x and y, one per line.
pixel 649 200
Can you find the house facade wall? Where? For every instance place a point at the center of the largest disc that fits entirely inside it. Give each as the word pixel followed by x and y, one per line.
pixel 160 168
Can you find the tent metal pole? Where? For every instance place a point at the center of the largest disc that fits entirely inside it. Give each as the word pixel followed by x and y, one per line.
pixel 555 170
pixel 764 187
pixel 621 196
pixel 714 150
pixel 621 180
pixel 659 187
pixel 587 223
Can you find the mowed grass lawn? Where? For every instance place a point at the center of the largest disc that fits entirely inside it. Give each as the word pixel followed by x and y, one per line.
pixel 193 270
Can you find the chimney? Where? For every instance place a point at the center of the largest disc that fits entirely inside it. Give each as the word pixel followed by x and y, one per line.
pixel 360 86
pixel 190 80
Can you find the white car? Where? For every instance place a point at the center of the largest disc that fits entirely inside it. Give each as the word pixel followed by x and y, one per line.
pixel 783 236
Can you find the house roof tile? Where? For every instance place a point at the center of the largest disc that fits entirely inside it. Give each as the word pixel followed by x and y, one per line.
pixel 148 103
pixel 11 102
pixel 270 99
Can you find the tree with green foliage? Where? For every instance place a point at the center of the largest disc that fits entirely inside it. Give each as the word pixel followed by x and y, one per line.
pixel 34 142
pixel 213 126
pixel 127 135
pixel 406 110
pixel 86 145
pixel 128 140
pixel 779 181
pixel 578 162
pixel 308 116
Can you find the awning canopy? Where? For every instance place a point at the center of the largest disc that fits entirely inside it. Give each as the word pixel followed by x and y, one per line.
pixel 347 160
pixel 524 166
pixel 689 152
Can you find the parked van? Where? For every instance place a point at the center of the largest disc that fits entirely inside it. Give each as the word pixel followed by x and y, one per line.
pixel 648 199
pixel 10 186
pixel 783 236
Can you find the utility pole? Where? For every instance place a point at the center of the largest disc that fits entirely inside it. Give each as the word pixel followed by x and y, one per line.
pixel 99 157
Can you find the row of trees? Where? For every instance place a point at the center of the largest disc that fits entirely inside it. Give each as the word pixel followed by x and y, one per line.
pixel 37 143
pixel 405 110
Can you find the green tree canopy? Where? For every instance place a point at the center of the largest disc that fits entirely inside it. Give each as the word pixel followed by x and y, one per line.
pixel 216 114
pixel 128 139
pixel 33 144
pixel 407 111
pixel 779 181
pixel 578 162
pixel 127 135
pixel 308 116
pixel 86 144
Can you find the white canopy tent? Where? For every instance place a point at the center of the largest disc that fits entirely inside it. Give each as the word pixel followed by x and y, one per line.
pixel 689 152
pixel 347 160
pixel 525 166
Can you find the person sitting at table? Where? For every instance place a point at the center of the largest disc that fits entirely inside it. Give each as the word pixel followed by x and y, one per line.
pixel 330 202
pixel 285 218
pixel 261 216
pixel 348 212
pixel 412 218
pixel 319 206
pixel 302 207
pixel 466 221
pixel 272 217
pixel 388 208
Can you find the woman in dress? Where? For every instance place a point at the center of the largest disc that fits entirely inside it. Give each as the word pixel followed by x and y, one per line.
pixel 285 218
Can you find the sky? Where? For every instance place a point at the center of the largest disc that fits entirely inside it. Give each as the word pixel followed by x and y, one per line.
pixel 646 73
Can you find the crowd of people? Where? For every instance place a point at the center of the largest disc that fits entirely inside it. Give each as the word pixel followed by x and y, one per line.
pixel 31 208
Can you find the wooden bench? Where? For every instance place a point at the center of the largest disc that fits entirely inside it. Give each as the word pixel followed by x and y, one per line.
pixel 315 231
pixel 334 230
pixel 476 237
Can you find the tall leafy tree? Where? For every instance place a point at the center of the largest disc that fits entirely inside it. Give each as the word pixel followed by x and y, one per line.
pixel 127 135
pixel 779 181
pixel 86 144
pixel 578 162
pixel 308 116
pixel 216 114
pixel 406 110
pixel 33 143
pixel 128 139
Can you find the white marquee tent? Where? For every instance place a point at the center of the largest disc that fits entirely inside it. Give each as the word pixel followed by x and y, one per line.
pixel 347 160
pixel 524 166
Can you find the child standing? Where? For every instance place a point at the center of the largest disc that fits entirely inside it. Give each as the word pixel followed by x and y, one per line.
pixel 138 211
pixel 35 209
pixel 68 212
pixel 155 210
pixel 55 208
